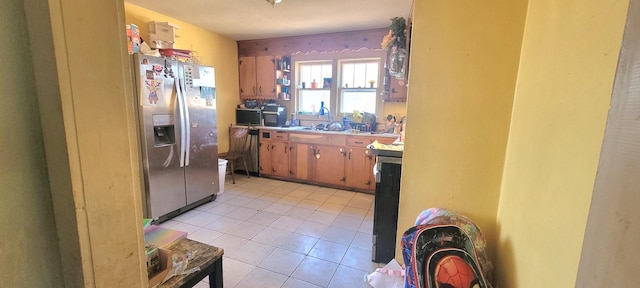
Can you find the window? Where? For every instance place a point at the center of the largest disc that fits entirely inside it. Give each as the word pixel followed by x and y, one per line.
pixel 358 89
pixel 314 86
pixel 343 81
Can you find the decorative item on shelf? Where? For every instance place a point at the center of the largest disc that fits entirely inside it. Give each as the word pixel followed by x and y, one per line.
pixel 395 43
pixel 314 84
pixel 371 83
pixel 327 83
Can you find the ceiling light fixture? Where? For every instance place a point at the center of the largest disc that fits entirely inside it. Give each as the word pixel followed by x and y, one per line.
pixel 274 2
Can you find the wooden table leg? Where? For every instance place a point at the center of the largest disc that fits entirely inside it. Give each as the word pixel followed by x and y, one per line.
pixel 215 278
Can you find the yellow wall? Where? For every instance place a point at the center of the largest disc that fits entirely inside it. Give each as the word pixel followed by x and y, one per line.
pixel 464 58
pixel 569 56
pixel 28 243
pixel 211 49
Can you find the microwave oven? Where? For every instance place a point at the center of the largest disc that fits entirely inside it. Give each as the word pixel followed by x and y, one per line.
pixel 274 115
pixel 246 116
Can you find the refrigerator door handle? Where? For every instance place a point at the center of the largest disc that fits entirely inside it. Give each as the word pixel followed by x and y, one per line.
pixel 187 125
pixel 178 86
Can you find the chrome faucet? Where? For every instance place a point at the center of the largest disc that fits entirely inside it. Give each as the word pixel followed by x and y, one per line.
pixel 329 117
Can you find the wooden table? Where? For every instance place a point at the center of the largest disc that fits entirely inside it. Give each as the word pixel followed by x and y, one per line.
pixel 207 257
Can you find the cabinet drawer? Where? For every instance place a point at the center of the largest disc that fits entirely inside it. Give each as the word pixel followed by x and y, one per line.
pixel 274 135
pixel 279 135
pixel 363 141
pixel 318 138
pixel 359 141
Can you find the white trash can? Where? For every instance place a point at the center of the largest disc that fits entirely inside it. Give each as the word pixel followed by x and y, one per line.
pixel 222 171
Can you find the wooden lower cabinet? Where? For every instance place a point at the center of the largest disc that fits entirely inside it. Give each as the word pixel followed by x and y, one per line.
pixel 336 161
pixel 359 168
pixel 265 157
pixel 300 156
pixel 274 158
pixel 329 166
pixel 280 158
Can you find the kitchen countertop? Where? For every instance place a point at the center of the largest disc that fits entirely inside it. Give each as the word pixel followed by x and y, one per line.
pixel 306 129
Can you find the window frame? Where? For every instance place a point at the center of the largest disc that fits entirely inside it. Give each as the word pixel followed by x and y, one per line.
pixel 335 93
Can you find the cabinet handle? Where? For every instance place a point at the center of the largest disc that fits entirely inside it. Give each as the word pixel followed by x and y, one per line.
pixel 273 169
pixel 343 179
pixel 260 89
pixel 359 142
pixel 291 172
pixel 273 146
pixel 344 153
pixel 285 150
pixel 349 155
pixel 254 89
pixel 367 183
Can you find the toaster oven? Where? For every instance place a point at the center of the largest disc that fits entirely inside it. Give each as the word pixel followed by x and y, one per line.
pixel 274 115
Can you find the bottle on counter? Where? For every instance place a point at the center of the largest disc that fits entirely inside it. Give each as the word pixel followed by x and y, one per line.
pixel 293 119
pixel 321 108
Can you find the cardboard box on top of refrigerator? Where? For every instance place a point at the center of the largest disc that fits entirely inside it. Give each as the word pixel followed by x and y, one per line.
pixel 162 34
pixel 133 38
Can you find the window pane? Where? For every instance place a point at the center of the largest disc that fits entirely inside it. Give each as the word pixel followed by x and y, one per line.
pixel 359 74
pixel 309 100
pixel 372 74
pixel 310 72
pixel 347 75
pixel 363 100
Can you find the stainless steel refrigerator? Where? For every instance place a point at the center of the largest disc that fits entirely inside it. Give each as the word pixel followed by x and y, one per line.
pixel 176 105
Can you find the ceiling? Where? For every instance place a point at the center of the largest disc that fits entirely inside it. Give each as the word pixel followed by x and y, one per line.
pixel 256 19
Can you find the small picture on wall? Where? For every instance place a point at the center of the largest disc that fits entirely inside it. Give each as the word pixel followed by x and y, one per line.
pixel 327 83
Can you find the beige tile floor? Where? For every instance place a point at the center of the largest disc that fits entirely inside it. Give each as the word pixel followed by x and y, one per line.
pixel 283 234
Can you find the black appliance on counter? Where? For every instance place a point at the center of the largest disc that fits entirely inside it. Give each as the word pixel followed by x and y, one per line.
pixel 246 116
pixel 274 115
pixel 385 214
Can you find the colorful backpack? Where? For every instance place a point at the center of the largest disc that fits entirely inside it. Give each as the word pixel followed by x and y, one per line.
pixel 445 250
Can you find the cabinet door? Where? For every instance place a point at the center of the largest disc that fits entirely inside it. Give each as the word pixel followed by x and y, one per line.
pixel 398 90
pixel 266 76
pixel 299 157
pixel 279 158
pixel 359 169
pixel 330 164
pixel 265 157
pixel 247 69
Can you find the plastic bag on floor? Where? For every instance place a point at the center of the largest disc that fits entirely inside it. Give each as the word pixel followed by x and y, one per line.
pixel 390 276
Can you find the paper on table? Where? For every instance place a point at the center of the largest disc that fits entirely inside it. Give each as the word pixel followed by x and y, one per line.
pixel 379 146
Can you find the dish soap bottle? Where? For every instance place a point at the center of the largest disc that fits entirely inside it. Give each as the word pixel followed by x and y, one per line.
pixel 321 105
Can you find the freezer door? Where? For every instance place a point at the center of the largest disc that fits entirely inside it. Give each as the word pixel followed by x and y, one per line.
pixel 160 130
pixel 201 165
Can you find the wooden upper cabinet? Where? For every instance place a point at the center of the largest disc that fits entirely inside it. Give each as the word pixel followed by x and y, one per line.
pixel 257 77
pixel 266 76
pixel 398 90
pixel 247 68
